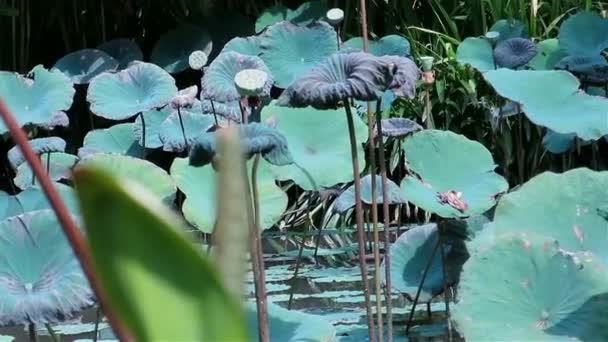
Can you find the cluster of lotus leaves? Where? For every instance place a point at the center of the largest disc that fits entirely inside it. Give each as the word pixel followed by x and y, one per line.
pixel 390 45
pixel 60 167
pixel 305 14
pixel 443 161
pixel 39 145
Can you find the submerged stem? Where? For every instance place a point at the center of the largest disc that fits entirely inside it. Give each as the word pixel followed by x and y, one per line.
pixel 359 218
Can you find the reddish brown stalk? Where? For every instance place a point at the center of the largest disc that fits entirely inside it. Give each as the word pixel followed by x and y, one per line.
pixel 73 234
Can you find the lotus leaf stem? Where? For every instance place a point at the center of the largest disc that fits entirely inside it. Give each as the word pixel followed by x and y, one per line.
pixel 359 218
pixel 52 333
pixel 97 319
pixel 181 124
pixel 444 270
pixel 300 251
pixel 32 332
pixel 48 163
pixel 72 232
pixel 143 130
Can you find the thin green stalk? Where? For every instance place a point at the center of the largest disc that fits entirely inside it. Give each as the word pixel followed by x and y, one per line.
pixel 52 333
pixel 48 163
pixel 359 218
pixel 181 125
pixel 143 130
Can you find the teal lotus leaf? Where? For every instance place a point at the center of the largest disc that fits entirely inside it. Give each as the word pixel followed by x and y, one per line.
pixel 305 14
pixel 584 33
pixel 172 50
pixel 199 184
pixel 567 110
pixel 476 52
pixel 318 141
pixel 399 127
pixel 39 145
pixel 524 288
pixel 229 110
pixel 392 45
pixel 143 172
pixel 47 286
pixel 33 198
pixel 411 253
pixel 82 65
pixel 291 325
pixel 509 28
pixel 346 200
pixel 570 216
pixel 123 50
pixel 37 97
pixel 218 81
pixel 559 143
pixel 118 139
pixel 171 134
pixel 589 69
pixel 455 175
pixel 153 119
pixel 60 167
pixel 255 138
pixel 549 54
pixel 249 46
pixel 290 50
pixel 138 88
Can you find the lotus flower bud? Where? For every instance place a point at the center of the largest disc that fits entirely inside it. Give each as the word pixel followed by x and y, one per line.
pixel 251 82
pixel 197 60
pixel 335 16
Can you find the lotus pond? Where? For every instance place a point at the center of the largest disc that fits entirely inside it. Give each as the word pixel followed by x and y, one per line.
pixel 285 179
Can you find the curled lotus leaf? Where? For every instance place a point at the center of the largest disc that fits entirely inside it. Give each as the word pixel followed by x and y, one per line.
pixel 193 123
pixel 306 13
pixel 476 52
pixel 123 50
pixel 392 45
pixel 60 167
pixel 255 138
pixel 290 51
pixel 411 253
pixel 453 176
pixel 570 216
pixel 173 49
pixel 35 98
pixel 291 325
pixel 346 200
pixel 405 74
pixel 399 127
pixel 199 184
pixel 514 52
pixel 33 199
pixel 229 110
pixel 584 33
pixel 82 65
pixel 525 287
pixel 509 28
pixel 218 81
pixel 118 139
pixel 46 287
pixel 589 69
pixel 549 53
pixel 249 46
pixel 355 75
pixel 39 145
pixel 124 94
pixel 318 141
pixel 561 112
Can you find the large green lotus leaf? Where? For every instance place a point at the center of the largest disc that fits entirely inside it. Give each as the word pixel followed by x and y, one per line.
pixel 32 199
pixel 138 88
pixel 199 184
pixel 291 325
pixel 42 281
pixel 318 141
pixel 194 123
pixel 172 50
pixel 290 50
pixel 151 271
pixel 60 167
pixel 411 253
pixel 249 46
pixel 476 52
pixel 123 50
pixel 509 28
pixel 567 110
pixel 39 145
pixel 305 14
pixel 346 200
pixel 393 45
pixel 527 289
pixel 549 54
pixel 446 161
pixel 584 33
pixel 218 81
pixel 37 98
pixel 117 139
pixel 82 65
pixel 571 214
pixel 156 180
pixel 153 119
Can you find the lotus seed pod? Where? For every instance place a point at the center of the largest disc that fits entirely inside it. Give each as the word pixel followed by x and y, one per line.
pixel 251 82
pixel 493 36
pixel 197 60
pixel 335 16
pixel 427 63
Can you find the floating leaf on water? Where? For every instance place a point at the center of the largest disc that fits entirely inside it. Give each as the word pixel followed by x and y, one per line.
pixel 346 200
pixel 393 45
pixel 514 52
pixel 82 65
pixel 306 13
pixel 172 51
pixel 123 50
pixel 61 165
pixel 39 145
pixel 584 33
pixel 117 139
